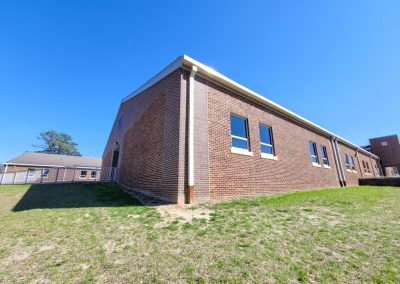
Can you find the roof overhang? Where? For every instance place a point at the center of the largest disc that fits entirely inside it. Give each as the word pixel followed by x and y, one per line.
pixel 187 62
pixel 50 166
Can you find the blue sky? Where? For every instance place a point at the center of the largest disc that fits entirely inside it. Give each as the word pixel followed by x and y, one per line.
pixel 66 65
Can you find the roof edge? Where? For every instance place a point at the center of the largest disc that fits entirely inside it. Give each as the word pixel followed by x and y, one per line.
pixel 158 77
pixel 187 61
pixel 51 166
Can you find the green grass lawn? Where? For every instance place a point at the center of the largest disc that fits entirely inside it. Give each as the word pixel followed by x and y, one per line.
pixel 96 233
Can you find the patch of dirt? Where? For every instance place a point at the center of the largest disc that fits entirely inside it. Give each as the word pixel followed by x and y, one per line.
pixel 16 256
pixel 183 212
pixel 46 248
pixel 170 212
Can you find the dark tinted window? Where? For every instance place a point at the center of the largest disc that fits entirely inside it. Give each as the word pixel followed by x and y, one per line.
pixel 324 156
pixel 313 152
pixel 239 132
pixel 266 140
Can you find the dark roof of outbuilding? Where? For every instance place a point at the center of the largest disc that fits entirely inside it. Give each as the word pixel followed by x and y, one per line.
pixel 42 159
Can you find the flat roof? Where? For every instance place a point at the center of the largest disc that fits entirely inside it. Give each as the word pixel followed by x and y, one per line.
pixel 187 62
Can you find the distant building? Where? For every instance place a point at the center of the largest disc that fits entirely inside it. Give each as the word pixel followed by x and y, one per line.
pixel 31 167
pixel 388 149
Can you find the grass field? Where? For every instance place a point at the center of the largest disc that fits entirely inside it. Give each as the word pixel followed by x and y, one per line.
pixel 96 233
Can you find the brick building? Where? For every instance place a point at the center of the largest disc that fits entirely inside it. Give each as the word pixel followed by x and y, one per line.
pixel 190 134
pixel 32 167
pixel 388 150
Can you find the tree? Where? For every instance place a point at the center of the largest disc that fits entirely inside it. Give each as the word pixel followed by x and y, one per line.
pixel 58 143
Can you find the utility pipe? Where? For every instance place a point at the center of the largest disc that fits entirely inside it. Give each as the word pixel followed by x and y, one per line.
pixel 359 164
pixel 4 174
pixel 336 161
pixel 190 197
pixel 340 161
pixel 372 166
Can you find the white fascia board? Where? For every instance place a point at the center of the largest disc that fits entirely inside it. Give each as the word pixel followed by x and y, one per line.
pixel 161 75
pixel 49 166
pixel 188 62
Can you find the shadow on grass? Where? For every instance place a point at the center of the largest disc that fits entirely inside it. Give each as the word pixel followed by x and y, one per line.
pixel 51 196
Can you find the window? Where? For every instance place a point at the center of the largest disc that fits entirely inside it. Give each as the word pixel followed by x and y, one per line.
pixel 313 152
pixel 368 169
pixel 346 161
pixel 353 165
pixel 267 146
pixel 93 174
pixel 31 172
pixel 364 167
pixel 120 121
pixel 83 174
pixel 239 132
pixel 384 143
pixel 324 155
pixel 45 173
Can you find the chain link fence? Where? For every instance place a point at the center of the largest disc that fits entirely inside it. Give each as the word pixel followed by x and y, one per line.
pixel 57 175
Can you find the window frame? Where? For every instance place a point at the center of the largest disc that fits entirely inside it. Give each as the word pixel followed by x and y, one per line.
pixel 30 172
pixel 324 155
pixel 238 150
pixel 83 176
pixel 347 162
pixel 368 168
pixel 352 163
pixel 314 145
pixel 44 173
pixel 95 174
pixel 364 167
pixel 271 136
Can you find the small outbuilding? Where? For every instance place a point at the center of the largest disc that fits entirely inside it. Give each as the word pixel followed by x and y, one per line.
pixel 32 167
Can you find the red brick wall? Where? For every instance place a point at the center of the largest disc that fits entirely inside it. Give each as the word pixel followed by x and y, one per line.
pixel 351 176
pixel 238 175
pixel 153 145
pixel 389 154
pixel 152 140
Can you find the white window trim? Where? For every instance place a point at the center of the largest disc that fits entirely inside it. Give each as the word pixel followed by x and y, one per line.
pixel 44 175
pixel 94 176
pixel 269 145
pixel 324 152
pixel 82 177
pixel 316 157
pixel 241 151
pixel 269 156
pixel 316 154
pixel 241 138
pixel 354 171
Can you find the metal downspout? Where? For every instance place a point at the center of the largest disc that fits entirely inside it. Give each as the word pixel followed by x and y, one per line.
pixel 190 191
pixel 4 173
pixel 340 161
pixel 359 164
pixel 336 161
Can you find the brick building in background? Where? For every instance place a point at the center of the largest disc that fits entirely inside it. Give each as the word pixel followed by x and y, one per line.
pixel 388 150
pixel 190 134
pixel 32 167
